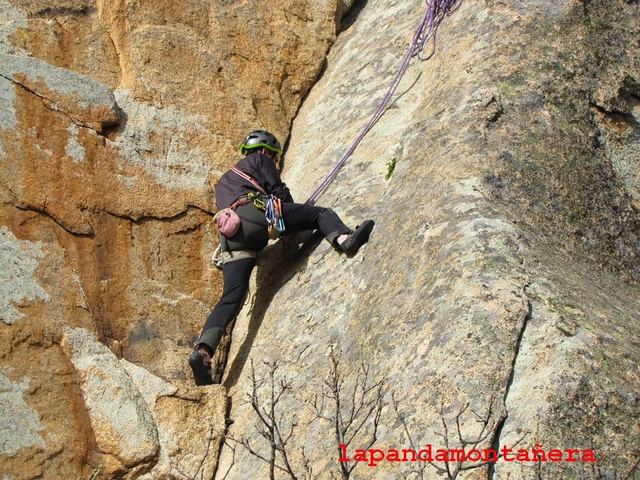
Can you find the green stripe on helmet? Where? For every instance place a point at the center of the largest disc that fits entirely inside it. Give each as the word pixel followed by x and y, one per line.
pixel 245 148
pixel 261 139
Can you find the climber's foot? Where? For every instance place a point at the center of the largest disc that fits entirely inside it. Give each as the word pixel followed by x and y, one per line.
pixel 359 237
pixel 200 363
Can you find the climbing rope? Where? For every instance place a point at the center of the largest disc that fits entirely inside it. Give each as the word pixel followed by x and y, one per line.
pixel 437 10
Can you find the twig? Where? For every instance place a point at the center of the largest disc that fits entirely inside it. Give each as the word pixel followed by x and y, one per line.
pixel 350 408
pixel 270 426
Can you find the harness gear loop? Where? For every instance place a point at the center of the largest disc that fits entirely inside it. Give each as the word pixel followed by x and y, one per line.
pixel 258 201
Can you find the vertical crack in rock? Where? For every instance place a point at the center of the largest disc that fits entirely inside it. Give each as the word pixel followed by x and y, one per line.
pixel 503 420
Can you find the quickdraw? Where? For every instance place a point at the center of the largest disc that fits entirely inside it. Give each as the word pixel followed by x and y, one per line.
pixel 216 258
pixel 272 208
pixel 273 214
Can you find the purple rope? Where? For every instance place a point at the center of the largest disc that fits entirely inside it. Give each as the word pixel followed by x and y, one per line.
pixel 426 31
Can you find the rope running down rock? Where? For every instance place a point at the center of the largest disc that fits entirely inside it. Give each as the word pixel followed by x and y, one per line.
pixel 437 10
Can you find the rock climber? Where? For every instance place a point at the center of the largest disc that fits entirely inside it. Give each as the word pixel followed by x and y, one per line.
pixel 252 188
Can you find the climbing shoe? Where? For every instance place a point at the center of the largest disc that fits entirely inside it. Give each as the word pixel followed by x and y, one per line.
pixel 201 371
pixel 358 238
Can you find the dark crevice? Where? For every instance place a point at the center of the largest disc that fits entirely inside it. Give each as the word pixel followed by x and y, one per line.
pixel 345 18
pixel 67 228
pixel 296 253
pixel 90 233
pixel 50 12
pixel 619 117
pixel 351 15
pixel 23 86
pixel 287 258
pixel 503 420
pixel 151 218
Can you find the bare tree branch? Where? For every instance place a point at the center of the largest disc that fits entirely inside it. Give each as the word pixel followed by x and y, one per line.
pixel 403 421
pixel 272 426
pixel 353 409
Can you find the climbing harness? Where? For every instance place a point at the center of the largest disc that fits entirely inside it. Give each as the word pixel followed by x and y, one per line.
pixel 437 10
pixel 228 221
pixel 271 205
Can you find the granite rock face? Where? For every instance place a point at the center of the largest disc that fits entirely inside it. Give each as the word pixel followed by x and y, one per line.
pixel 500 280
pixel 494 307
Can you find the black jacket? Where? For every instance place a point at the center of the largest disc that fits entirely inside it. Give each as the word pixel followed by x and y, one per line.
pixel 262 169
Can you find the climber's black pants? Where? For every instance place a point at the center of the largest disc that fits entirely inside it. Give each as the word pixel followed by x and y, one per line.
pixel 236 277
pixel 298 217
